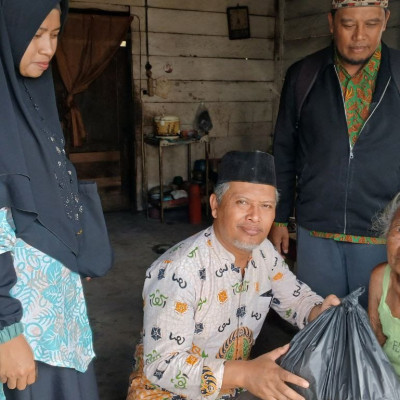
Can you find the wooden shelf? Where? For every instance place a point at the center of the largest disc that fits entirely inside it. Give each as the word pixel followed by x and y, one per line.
pixel 161 144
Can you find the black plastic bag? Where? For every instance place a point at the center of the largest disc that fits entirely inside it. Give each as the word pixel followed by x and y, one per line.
pixel 339 355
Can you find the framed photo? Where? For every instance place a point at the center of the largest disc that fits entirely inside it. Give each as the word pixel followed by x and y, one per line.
pixel 238 22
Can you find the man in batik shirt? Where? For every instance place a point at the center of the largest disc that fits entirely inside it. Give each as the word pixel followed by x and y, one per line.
pixel 205 300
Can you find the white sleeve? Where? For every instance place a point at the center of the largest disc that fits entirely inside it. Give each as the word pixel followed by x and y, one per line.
pixel 169 325
pixel 292 299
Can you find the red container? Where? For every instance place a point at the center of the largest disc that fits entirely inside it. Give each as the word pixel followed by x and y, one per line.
pixel 194 204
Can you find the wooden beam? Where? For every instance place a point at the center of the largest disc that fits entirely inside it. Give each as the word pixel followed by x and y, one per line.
pixel 95 156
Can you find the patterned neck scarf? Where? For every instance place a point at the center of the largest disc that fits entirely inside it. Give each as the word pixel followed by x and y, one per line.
pixel 357 92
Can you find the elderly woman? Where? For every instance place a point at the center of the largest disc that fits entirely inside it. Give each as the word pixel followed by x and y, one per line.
pixel 52 230
pixel 384 286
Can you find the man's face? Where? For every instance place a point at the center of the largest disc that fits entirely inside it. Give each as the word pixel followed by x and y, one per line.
pixel 357 32
pixel 244 216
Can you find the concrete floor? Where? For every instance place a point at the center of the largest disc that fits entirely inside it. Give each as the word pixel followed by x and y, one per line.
pixel 115 302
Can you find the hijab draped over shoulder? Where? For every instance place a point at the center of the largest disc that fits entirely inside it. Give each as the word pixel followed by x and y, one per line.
pixel 51 210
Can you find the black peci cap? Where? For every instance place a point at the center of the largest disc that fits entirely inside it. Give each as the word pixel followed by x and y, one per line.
pixel 251 166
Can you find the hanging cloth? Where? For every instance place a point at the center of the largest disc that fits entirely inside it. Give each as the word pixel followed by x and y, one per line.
pixel 88 44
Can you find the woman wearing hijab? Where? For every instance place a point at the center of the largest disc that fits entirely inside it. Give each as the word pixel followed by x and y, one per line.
pixel 52 230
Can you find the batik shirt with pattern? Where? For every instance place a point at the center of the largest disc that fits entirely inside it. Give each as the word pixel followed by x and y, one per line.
pixel 358 90
pixel 200 311
pixel 54 317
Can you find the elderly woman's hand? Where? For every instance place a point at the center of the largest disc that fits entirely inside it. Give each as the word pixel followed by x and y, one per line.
pixel 329 301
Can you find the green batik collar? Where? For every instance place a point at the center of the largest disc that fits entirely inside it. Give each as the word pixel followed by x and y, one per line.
pixel 371 68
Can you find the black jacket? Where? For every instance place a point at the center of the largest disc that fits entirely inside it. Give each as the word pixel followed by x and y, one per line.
pixel 337 191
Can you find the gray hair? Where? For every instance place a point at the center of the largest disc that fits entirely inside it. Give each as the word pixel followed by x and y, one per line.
pixel 222 188
pixel 383 220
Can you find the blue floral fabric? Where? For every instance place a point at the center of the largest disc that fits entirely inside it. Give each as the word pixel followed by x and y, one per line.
pixel 55 319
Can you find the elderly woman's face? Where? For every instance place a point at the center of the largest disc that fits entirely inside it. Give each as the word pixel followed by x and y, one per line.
pixel 42 47
pixel 393 244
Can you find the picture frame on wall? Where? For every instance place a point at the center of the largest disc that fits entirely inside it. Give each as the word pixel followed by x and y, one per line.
pixel 238 22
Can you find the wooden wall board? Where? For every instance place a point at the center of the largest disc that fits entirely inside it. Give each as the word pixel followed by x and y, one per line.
pixel 261 142
pixel 140 14
pixel 256 7
pixel 109 183
pixel 208 69
pixel 99 5
pixel 200 23
pixel 170 44
pixel 103 2
pixel 296 49
pixel 175 163
pixel 306 27
pixel 196 22
pixel 196 91
pixel 295 8
pixel 259 111
pixel 193 37
pixel 99 156
pixel 220 112
pixel 248 129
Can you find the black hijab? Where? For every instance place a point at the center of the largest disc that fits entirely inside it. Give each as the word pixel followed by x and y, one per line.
pixel 37 181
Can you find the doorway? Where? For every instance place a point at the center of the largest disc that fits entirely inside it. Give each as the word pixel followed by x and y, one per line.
pixel 107 155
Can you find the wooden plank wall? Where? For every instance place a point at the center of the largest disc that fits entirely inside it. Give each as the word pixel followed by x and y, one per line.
pixel 234 78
